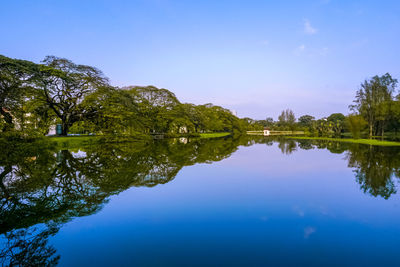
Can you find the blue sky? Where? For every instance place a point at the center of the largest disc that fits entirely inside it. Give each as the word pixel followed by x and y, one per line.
pixel 255 57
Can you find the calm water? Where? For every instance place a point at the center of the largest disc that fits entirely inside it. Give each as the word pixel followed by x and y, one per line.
pixel 252 202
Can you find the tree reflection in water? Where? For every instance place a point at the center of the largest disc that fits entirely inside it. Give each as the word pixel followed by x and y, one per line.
pixel 42 188
pixel 29 247
pixel 376 168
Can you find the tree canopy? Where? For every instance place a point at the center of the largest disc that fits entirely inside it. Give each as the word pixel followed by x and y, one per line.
pixel 35 97
pixel 374 100
pixel 59 91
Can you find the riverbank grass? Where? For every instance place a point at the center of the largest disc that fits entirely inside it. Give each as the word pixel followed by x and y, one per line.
pixel 76 141
pixel 73 141
pixel 373 142
pixel 214 135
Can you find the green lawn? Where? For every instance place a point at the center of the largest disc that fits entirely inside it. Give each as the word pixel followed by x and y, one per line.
pixel 79 141
pixel 73 141
pixel 72 138
pixel 348 140
pixel 213 135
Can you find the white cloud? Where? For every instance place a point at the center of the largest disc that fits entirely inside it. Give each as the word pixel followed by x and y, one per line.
pixel 308 28
pixel 299 50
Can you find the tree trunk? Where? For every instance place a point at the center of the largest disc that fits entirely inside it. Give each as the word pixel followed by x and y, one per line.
pixel 65 128
pixel 370 131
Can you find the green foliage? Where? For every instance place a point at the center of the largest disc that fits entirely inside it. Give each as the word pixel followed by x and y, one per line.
pixel 323 127
pixel 16 83
pixel 374 100
pixel 306 120
pixel 150 110
pixel 337 123
pixel 287 120
pixel 336 117
pixel 356 124
pixel 63 85
pixel 34 97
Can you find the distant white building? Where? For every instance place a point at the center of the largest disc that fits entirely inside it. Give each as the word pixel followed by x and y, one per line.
pixel 52 130
pixel 183 140
pixel 183 129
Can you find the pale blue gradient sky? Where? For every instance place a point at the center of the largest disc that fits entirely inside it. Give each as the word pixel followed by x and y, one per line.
pixel 255 57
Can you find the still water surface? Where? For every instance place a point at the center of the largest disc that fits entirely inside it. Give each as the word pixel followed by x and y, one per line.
pixel 253 202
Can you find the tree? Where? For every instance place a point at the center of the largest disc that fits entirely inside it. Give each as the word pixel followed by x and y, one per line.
pixel 287 119
pixel 323 127
pixel 63 86
pixel 156 106
pixel 112 111
pixel 306 120
pixel 269 121
pixel 16 78
pixel 337 121
pixel 334 117
pixel 395 115
pixel 356 123
pixel 372 101
pixel 195 115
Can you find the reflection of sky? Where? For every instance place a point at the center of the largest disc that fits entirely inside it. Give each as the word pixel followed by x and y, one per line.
pixel 257 207
pixel 270 160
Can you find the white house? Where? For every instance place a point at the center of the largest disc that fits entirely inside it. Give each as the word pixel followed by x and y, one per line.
pixel 52 130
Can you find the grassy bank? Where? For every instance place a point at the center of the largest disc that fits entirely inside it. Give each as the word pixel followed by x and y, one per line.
pixel 350 140
pixel 73 141
pixel 213 135
pixel 79 141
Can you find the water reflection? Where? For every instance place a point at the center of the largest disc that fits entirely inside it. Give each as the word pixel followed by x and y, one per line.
pixel 42 188
pixel 29 247
pixel 376 168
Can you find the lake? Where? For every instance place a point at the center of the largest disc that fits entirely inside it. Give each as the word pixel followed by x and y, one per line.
pixel 222 202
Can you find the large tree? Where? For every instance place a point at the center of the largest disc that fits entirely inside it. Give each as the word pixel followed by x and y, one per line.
pixel 63 86
pixel 113 111
pixel 287 119
pixel 16 79
pixel 156 106
pixel 306 120
pixel 337 122
pixel 373 101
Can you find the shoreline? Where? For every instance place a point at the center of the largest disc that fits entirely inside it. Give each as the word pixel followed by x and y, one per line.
pixel 67 141
pixel 373 142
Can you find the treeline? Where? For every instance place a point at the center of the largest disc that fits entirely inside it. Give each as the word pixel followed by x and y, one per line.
pixel 36 97
pixel 376 110
pixel 333 125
